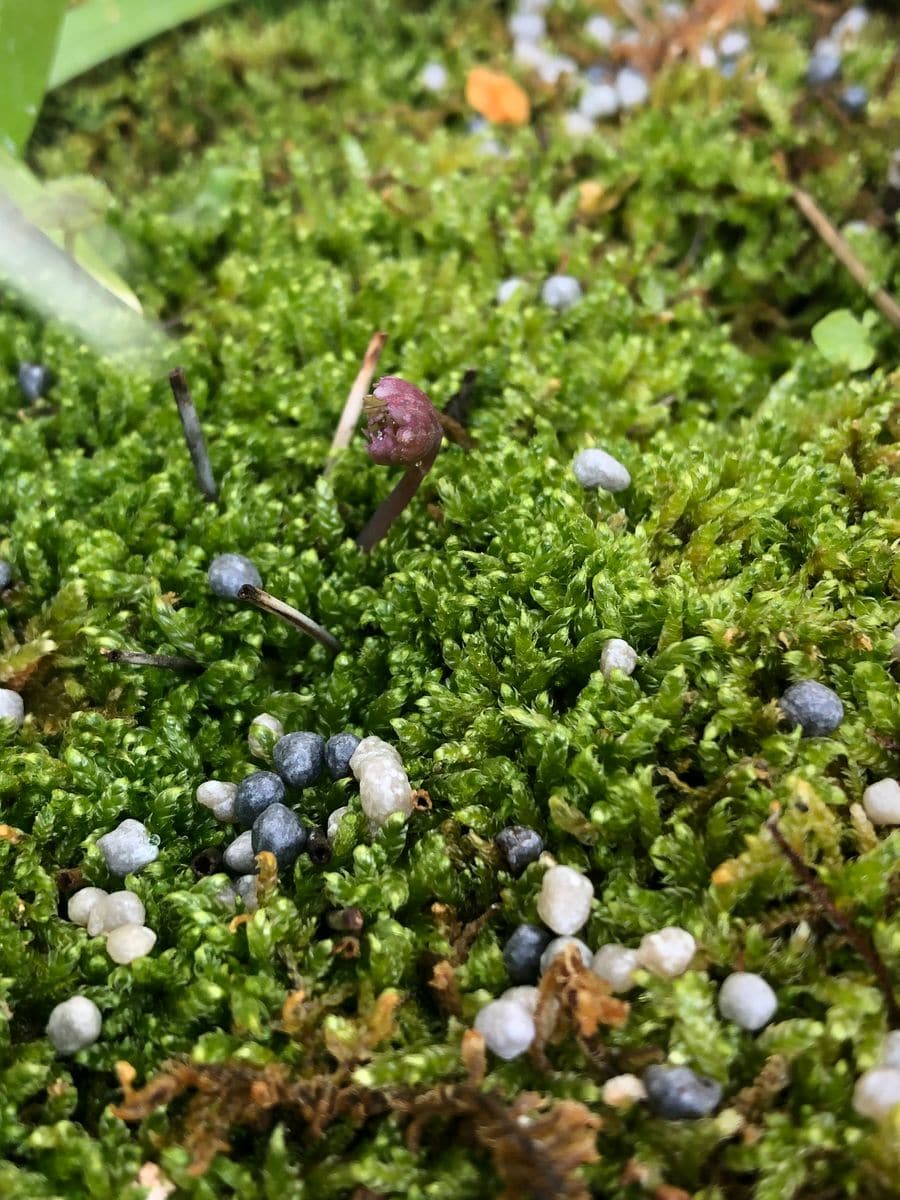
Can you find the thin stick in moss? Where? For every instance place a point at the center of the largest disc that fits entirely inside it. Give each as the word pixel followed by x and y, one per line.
pixel 458 406
pixel 271 604
pixel 353 405
pixel 137 658
pixel 883 300
pixel 860 940
pixel 193 434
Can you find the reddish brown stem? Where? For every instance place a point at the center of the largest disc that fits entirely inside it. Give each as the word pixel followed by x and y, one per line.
pixel 861 942
pixel 390 509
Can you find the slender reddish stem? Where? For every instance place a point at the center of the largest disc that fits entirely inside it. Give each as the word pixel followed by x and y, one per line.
pixel 390 509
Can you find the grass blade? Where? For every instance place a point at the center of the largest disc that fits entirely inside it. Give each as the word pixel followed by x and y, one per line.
pixel 102 29
pixel 28 37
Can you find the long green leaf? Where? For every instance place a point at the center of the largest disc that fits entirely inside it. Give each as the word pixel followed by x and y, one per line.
pixel 102 29
pixel 29 31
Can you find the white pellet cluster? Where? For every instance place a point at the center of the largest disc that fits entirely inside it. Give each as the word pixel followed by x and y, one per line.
pixel 259 744
pixel 218 797
pixel 668 952
pixel 384 786
pixel 117 916
pixel 564 904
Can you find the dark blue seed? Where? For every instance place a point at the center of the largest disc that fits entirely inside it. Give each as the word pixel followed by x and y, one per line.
pixel 338 752
pixel 281 832
pixel 520 846
pixel 679 1094
pixel 522 952
pixel 34 380
pixel 255 794
pixel 299 758
pixel 813 706
pixel 824 66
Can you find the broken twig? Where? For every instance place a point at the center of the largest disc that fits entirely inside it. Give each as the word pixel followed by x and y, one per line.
pixel 193 434
pixel 883 300
pixel 860 941
pixel 354 404
pixel 271 604
pixel 137 658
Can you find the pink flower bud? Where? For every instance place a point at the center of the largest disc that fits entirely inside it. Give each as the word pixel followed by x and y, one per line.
pixel 403 426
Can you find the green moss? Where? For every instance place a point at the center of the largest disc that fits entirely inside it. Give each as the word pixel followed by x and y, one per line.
pixel 281 191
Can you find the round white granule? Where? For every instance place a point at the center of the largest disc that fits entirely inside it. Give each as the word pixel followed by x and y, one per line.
pixel 623 1090
pixel 747 1000
pixel 507 1028
pixel 12 707
pixel 129 942
pixel 334 821
pixel 616 966
pixel 74 1025
pixel 594 468
pixel 877 1092
pixel 617 655
pixel 82 904
pixel 263 721
pixel 524 994
pixel 118 908
pixel 218 797
pixel 881 801
pixel 564 904
pixel 668 952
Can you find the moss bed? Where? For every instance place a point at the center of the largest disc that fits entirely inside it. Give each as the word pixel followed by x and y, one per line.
pixel 283 188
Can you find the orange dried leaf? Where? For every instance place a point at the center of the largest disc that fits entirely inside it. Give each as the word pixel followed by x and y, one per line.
pixel 497 97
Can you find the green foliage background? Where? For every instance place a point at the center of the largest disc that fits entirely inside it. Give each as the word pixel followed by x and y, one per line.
pixel 282 189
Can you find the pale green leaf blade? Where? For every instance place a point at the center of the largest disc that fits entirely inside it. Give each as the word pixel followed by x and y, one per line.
pixel 29 33
pixel 102 29
pixel 844 340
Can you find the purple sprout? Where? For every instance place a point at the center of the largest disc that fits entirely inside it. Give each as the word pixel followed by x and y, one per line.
pixel 403 430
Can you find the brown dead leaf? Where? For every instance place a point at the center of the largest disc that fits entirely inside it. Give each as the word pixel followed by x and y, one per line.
pixel 474 1057
pixel 443 982
pixel 497 97
pixel 572 988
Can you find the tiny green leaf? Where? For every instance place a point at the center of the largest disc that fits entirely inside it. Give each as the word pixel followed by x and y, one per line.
pixel 844 340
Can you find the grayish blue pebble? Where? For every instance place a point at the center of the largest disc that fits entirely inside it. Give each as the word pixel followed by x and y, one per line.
pixel 299 758
pixel 813 706
pixel 228 573
pixel 34 380
pixel 680 1094
pixel 824 65
pixel 128 848
pixel 523 950
pixel 5 574
pixel 238 856
pixel 255 794
pixel 561 292
pixel 854 99
pixel 520 846
pixel 281 832
pixel 338 751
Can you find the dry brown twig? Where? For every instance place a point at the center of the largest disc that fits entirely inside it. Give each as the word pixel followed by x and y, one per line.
pixel 353 405
pixel 882 299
